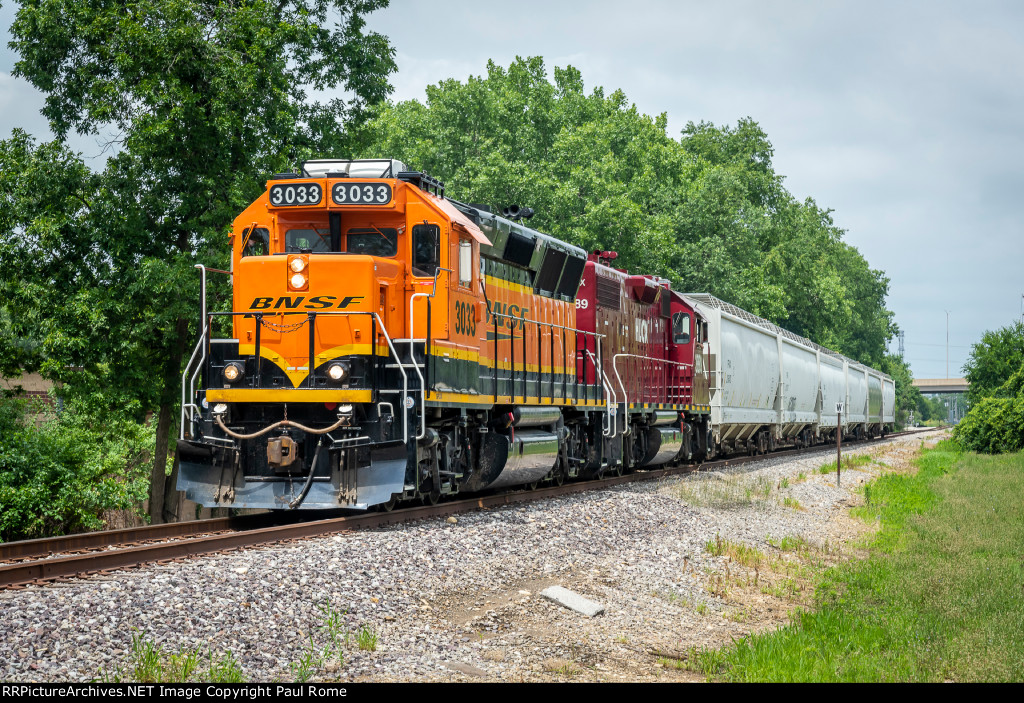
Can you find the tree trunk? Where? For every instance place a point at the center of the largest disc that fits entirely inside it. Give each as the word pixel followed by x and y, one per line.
pixel 158 477
pixel 172 496
pixel 172 379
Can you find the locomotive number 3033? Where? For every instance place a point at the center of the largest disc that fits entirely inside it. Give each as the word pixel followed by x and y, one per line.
pixel 361 193
pixel 295 194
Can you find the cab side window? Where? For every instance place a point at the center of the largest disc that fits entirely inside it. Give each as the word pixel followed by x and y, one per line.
pixel 257 243
pixel 681 328
pixel 426 249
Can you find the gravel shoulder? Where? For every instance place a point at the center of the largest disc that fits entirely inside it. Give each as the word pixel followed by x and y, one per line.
pixel 672 561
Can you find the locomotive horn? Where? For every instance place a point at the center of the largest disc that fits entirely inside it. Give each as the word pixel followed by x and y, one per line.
pixel 511 212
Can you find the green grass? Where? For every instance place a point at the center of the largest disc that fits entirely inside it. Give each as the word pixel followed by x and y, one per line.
pixel 367 639
pixel 150 663
pixel 939 597
pixel 850 461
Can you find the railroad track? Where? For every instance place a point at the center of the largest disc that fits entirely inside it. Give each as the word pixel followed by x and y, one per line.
pixel 34 562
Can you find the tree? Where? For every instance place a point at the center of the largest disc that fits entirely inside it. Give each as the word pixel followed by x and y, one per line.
pixel 205 98
pixel 993 360
pixel 707 211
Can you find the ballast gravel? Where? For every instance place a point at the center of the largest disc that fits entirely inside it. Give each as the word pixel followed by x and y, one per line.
pixel 458 600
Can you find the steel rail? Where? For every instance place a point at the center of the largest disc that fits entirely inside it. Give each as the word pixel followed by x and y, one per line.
pixel 40 571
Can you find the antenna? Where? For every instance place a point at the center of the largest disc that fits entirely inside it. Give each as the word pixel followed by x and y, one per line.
pixel 901 343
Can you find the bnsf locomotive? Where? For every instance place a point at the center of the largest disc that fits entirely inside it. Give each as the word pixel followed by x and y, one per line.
pixel 391 344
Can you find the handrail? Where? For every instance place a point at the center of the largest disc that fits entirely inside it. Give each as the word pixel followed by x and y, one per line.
pixel 596 335
pixel 383 330
pixel 612 424
pixel 412 353
pixel 187 407
pixel 646 358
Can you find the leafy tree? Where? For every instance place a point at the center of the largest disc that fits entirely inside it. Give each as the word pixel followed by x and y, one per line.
pixel 707 211
pixel 993 361
pixel 205 98
pixel 996 423
pixel 62 476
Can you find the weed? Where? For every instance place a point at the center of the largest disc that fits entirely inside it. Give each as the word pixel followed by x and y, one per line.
pixel 737 551
pixel 149 663
pixel 792 503
pixel 850 461
pixel 784 483
pixel 702 609
pixel 366 639
pixel 736 615
pixel 310 660
pixel 724 491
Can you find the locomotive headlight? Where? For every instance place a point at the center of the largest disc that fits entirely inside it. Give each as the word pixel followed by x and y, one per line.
pixel 298 280
pixel 338 371
pixel 297 265
pixel 233 371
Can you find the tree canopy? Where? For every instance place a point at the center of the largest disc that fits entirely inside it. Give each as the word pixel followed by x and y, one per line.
pixel 199 100
pixel 993 360
pixel 708 211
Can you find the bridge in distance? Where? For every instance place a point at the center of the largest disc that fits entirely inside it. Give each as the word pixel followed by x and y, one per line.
pixel 941 385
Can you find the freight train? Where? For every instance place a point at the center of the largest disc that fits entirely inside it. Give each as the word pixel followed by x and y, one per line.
pixel 388 344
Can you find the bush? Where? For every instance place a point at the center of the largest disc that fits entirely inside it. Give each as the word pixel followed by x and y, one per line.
pixel 996 424
pixel 58 478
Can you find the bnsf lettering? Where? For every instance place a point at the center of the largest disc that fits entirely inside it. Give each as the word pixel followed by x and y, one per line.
pixel 511 316
pixel 317 302
pixel 465 319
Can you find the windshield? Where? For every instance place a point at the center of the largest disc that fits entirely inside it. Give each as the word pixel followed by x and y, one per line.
pixel 318 240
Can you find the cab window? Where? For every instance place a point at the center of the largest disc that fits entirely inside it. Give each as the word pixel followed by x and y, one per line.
pixel 465 263
pixel 257 243
pixel 372 241
pixel 314 240
pixel 681 328
pixel 426 249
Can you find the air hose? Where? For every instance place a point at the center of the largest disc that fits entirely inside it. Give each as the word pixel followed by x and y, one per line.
pixel 309 479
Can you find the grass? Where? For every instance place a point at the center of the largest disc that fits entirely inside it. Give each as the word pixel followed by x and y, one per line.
pixel 724 491
pixel 366 639
pixel 850 461
pixel 737 551
pixel 150 663
pixel 939 598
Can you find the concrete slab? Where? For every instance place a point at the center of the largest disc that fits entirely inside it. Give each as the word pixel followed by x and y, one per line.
pixel 572 601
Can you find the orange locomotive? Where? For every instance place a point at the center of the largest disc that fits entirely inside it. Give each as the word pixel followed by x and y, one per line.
pixel 389 344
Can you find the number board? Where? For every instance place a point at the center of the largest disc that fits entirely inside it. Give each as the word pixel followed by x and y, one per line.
pixel 296 194
pixel 359 193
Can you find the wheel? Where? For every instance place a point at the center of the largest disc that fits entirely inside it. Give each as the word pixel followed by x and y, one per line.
pixel 558 477
pixel 390 504
pixel 431 498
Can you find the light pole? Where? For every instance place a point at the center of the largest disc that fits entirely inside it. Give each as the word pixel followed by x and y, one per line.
pixel 947 344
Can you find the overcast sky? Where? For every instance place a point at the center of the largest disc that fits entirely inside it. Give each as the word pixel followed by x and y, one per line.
pixel 905 118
